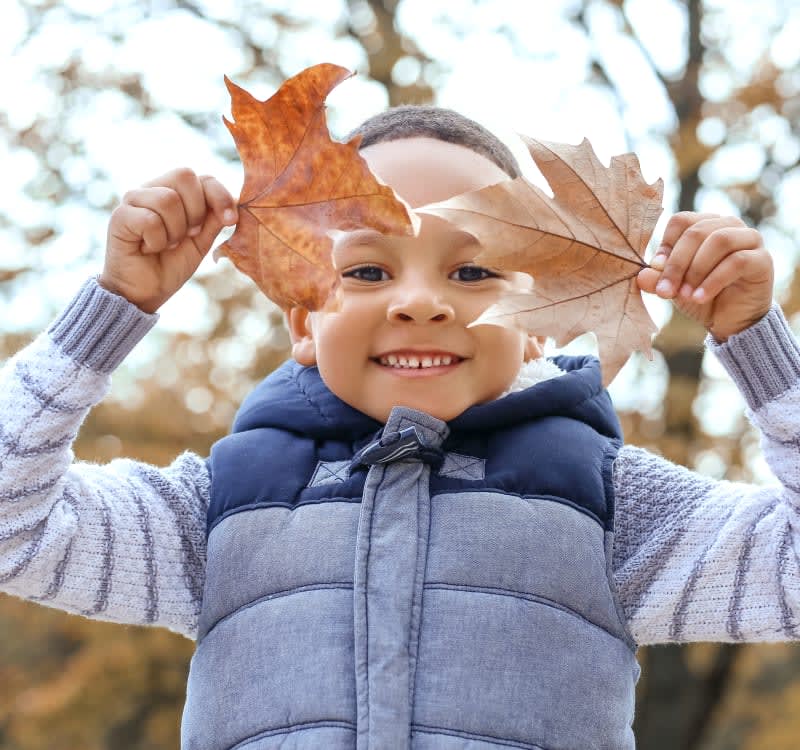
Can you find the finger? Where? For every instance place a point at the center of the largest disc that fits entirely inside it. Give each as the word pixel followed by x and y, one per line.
pixel 682 254
pixel 730 270
pixel 677 225
pixel 222 211
pixel 647 279
pixel 208 233
pixel 187 185
pixel 717 246
pixel 167 203
pixel 219 200
pixel 138 229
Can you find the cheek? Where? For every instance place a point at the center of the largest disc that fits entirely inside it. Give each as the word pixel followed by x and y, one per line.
pixel 335 329
pixel 506 351
pixel 513 343
pixel 342 344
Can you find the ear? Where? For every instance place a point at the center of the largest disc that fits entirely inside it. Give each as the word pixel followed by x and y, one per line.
pixel 304 349
pixel 534 347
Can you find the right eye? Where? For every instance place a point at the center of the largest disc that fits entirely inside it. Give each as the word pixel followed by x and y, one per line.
pixel 367 273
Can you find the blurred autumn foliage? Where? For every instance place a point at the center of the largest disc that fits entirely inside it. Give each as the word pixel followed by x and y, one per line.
pixel 69 683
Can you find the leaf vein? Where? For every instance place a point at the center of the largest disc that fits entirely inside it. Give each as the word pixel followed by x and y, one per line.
pixel 599 202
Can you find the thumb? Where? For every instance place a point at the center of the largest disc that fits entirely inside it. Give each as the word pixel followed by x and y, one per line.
pixel 647 279
pixel 211 228
pixel 221 211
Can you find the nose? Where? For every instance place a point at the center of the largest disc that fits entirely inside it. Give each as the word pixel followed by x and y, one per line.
pixel 420 305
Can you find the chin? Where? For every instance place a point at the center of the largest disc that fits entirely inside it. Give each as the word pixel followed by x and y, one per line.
pixel 445 414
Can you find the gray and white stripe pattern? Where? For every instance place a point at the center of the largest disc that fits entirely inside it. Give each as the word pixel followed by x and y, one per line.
pixel 701 560
pixel 123 542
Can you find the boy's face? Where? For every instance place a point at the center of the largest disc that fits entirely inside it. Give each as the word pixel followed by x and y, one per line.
pixel 400 336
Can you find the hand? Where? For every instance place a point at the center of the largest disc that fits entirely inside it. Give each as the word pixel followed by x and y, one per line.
pixel 159 234
pixel 715 269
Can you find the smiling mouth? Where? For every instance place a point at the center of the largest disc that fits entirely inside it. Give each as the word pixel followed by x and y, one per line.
pixel 417 361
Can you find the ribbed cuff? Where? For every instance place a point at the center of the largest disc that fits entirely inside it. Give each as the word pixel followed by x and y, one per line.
pixel 763 360
pixel 98 328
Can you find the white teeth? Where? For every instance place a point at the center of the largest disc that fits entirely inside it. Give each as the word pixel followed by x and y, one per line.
pixel 413 362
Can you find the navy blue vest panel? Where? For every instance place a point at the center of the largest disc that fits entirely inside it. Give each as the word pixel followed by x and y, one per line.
pixel 267 466
pixel 541 462
pixel 575 422
pixel 413 585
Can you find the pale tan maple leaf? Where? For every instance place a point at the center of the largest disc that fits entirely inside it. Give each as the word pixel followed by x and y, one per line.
pixel 583 247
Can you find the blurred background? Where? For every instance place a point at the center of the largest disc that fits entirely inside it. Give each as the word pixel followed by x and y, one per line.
pixel 97 96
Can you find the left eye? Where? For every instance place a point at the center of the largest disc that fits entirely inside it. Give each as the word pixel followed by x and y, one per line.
pixel 367 273
pixel 472 273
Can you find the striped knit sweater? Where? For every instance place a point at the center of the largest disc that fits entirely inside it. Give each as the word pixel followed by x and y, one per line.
pixel 693 559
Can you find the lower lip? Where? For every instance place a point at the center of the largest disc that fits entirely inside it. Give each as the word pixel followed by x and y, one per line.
pixel 419 372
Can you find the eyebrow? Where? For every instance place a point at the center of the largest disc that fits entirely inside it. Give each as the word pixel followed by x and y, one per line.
pixel 371 236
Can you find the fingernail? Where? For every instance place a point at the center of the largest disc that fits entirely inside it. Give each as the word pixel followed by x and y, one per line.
pixel 229 216
pixel 172 246
pixel 664 287
pixel 194 231
pixel 685 291
pixel 699 294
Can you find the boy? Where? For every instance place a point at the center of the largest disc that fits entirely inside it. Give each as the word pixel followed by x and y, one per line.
pixel 418 534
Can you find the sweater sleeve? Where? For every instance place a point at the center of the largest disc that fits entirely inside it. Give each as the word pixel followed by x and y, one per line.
pixel 696 559
pixel 124 541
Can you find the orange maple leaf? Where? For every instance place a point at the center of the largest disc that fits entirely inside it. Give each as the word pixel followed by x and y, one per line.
pixel 299 185
pixel 584 247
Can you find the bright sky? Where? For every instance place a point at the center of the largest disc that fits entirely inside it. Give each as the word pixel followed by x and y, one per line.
pixel 531 82
pixel 530 79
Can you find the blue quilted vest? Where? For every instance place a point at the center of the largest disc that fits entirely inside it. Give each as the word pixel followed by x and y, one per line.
pixel 416 585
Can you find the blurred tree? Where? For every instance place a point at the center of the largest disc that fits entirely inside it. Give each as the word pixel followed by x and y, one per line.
pixel 372 23
pixel 66 682
pixel 678 701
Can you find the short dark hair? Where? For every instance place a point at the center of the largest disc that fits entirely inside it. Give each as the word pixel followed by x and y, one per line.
pixel 410 120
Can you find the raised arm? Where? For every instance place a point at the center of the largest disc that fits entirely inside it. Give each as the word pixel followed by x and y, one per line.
pixel 124 541
pixel 697 559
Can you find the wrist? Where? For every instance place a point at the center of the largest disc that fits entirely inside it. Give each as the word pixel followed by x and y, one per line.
pixel 108 283
pixel 97 329
pixel 763 360
pixel 722 333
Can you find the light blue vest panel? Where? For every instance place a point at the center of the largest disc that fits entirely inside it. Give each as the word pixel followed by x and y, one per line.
pixel 421 586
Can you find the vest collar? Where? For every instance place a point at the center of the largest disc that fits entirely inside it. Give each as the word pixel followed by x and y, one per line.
pixel 295 398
